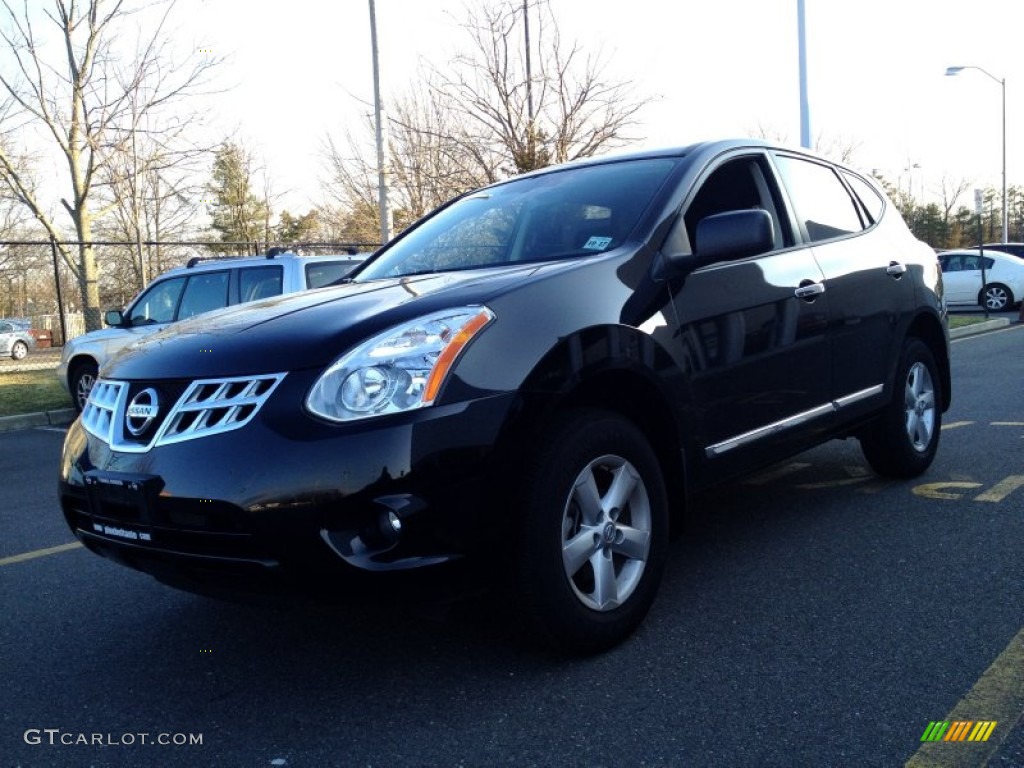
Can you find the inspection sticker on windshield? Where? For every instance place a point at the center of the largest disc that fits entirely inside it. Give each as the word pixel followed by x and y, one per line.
pixel 121 533
pixel 596 243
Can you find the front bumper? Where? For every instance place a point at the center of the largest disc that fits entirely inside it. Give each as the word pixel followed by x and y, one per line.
pixel 290 502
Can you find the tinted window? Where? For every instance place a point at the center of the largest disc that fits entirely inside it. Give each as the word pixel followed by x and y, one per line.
pixel 204 292
pixel 737 185
pixel 822 203
pixel 6 327
pixel 323 273
pixel 565 214
pixel 157 304
pixel 260 282
pixel 968 262
pixel 867 194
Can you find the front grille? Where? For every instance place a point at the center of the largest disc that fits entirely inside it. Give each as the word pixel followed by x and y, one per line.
pixel 207 407
pixel 210 406
pixel 100 413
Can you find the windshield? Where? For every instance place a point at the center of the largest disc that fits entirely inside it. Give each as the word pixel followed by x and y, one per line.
pixel 573 212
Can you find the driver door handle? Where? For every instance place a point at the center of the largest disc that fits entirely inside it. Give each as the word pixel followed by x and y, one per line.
pixel 808 290
pixel 895 269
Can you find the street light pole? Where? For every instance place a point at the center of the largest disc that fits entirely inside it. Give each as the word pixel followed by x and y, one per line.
pixel 951 71
pixel 805 111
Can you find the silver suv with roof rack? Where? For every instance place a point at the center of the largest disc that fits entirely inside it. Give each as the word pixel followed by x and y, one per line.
pixel 202 285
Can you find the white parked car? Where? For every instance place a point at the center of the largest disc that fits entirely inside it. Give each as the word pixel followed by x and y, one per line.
pixel 961 275
pixel 201 286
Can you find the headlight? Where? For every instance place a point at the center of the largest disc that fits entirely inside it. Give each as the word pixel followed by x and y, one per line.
pixel 398 370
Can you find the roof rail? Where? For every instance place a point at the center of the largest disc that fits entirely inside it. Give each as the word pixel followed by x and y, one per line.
pixel 272 253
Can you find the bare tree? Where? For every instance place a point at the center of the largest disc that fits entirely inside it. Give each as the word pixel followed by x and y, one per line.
pixel 510 104
pixel 532 99
pixel 428 167
pixel 87 99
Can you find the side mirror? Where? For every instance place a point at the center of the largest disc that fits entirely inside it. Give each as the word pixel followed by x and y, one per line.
pixel 114 318
pixel 734 235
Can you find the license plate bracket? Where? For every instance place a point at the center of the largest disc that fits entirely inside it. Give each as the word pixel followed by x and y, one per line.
pixel 123 496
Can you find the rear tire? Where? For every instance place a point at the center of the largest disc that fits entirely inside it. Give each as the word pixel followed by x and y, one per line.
pixel 593 533
pixel 996 297
pixel 903 440
pixel 19 351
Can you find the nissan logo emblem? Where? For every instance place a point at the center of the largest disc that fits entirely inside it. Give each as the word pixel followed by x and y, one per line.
pixel 142 410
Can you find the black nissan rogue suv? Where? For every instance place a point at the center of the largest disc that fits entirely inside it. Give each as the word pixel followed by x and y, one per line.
pixel 536 374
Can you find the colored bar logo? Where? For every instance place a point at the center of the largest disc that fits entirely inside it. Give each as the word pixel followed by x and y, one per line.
pixel 959 730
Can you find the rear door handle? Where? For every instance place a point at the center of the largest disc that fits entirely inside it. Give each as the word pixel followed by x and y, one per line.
pixel 808 290
pixel 895 269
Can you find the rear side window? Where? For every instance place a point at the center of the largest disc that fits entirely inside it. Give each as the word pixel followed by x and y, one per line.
pixel 204 292
pixel 260 282
pixel 157 304
pixel 822 204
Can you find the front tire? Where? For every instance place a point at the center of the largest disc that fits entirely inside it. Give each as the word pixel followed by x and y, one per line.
pixel 83 377
pixel 19 351
pixel 593 532
pixel 904 439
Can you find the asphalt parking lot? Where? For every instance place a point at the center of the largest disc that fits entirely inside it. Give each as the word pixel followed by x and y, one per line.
pixel 814 615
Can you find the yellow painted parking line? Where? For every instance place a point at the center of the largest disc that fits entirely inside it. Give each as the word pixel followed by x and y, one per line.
pixel 1002 489
pixel 998 697
pixel 1008 423
pixel 39 553
pixel 955 424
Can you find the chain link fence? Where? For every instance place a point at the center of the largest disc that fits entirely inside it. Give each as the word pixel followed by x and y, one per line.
pixel 39 291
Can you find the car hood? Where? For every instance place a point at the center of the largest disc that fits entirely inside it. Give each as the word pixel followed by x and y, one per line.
pixel 105 342
pixel 304 330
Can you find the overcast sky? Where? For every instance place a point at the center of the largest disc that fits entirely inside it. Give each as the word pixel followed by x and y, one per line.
pixel 301 69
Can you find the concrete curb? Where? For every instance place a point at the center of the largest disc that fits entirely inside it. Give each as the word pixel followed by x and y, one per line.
pixel 61 417
pixel 987 325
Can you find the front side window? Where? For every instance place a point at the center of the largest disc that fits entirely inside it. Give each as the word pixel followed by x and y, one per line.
pixel 822 204
pixel 736 185
pixel 157 304
pixel 565 214
pixel 204 292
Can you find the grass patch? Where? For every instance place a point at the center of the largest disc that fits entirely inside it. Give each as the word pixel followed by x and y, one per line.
pixel 960 321
pixel 30 392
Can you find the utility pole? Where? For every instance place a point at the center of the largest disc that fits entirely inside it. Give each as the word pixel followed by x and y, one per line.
pixel 379 115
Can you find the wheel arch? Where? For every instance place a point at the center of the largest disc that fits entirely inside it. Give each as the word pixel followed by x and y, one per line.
pixel 77 361
pixel 615 368
pixel 930 330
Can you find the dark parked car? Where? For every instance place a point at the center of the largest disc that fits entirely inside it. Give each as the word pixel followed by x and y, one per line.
pixel 534 377
pixel 1014 249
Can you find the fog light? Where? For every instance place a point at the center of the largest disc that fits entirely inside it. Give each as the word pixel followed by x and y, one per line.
pixel 389 526
pixel 395 522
